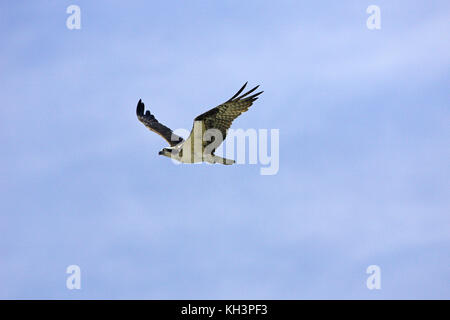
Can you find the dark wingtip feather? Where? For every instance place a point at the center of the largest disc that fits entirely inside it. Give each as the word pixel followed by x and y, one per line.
pixel 239 92
pixel 253 97
pixel 140 108
pixel 247 93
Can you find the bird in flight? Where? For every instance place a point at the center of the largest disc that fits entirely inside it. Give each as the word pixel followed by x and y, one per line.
pixel 208 131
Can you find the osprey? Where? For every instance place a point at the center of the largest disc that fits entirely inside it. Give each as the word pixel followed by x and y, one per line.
pixel 208 131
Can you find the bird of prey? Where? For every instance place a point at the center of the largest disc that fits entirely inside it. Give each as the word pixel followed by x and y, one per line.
pixel 208 131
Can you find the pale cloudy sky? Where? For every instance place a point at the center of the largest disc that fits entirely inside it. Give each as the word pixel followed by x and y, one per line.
pixel 364 135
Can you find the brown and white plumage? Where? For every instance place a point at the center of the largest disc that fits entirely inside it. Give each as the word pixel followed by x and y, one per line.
pixel 154 125
pixel 219 118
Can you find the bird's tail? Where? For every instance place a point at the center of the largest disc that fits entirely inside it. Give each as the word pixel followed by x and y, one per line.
pixel 223 160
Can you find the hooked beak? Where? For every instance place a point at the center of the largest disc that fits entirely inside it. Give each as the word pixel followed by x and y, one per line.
pixel 160 153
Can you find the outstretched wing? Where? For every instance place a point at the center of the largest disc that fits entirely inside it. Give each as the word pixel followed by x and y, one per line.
pixel 150 122
pixel 222 116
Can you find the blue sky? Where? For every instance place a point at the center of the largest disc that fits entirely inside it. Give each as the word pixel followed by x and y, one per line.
pixel 364 134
